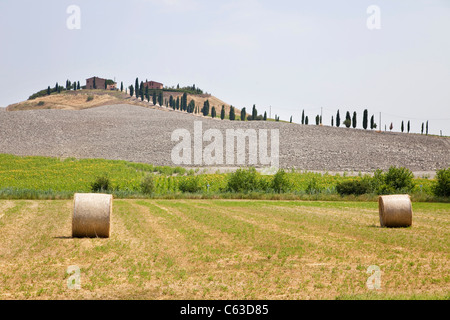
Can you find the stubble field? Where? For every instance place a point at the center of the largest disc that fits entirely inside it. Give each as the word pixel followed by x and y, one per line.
pixel 224 249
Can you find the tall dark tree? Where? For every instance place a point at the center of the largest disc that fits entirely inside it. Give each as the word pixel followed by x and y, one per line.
pixel 94 85
pixel 254 113
pixel 147 94
pixel 131 90
pixel 213 112
pixel 49 91
pixel 306 120
pixel 303 117
pixel 191 106
pixel 365 119
pixel 391 126
pixel 422 128
pixel 338 119
pixel 222 113
pixel 232 114
pixel 78 86
pixel 154 97
pixel 265 116
pixel 205 109
pixel 290 121
pixel 136 87
pixel 317 120
pixel 121 86
pixel 243 114
pixel 348 120
pixel 160 98
pixel 141 90
pixel 354 120
pixel 177 103
pixel 408 126
pixel 402 127
pixel 332 121
pixel 75 86
pixel 372 122
pixel 184 101
pixel 427 128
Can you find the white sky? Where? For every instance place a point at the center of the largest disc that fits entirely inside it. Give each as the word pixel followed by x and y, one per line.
pixel 291 55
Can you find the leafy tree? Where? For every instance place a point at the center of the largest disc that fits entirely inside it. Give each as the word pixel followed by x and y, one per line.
pixel 441 188
pixel 354 120
pixel 365 119
pixel 280 182
pixel 232 114
pixel 222 113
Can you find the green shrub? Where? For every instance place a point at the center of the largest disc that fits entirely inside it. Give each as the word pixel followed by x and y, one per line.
pixel 313 186
pixel 148 185
pixel 280 182
pixel 190 184
pixel 101 184
pixel 41 103
pixel 243 181
pixel 356 187
pixel 442 186
pixel 399 179
pixel 89 98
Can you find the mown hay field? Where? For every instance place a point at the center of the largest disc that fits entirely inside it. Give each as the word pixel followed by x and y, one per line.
pixel 224 249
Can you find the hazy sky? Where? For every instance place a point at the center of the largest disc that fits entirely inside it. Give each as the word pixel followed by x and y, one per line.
pixel 291 55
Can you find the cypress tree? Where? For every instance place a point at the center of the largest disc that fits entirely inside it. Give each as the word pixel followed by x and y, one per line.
pixel 213 112
pixel 265 116
pixel 232 114
pixel 94 84
pixel 290 121
pixel 48 91
pixel 303 117
pixel 332 121
pixel 106 84
pixel 154 97
pixel 348 120
pixel 354 120
pixel 306 120
pixel 427 128
pixel 136 87
pixel 243 114
pixel 408 126
pixel 121 86
pixel 78 86
pixel 160 98
pixel 131 90
pixel 372 122
pixel 338 119
pixel 222 113
pixel 402 127
pixel 75 86
pixel 147 94
pixel 177 103
pixel 422 128
pixel 317 120
pixel 254 113
pixel 365 119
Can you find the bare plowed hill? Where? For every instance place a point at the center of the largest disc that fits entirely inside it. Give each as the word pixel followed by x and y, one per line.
pixel 135 133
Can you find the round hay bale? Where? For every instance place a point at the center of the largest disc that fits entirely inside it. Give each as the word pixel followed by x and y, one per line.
pixel 395 211
pixel 91 215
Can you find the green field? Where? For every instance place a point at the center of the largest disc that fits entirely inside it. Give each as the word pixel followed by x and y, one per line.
pixel 54 178
pixel 224 249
